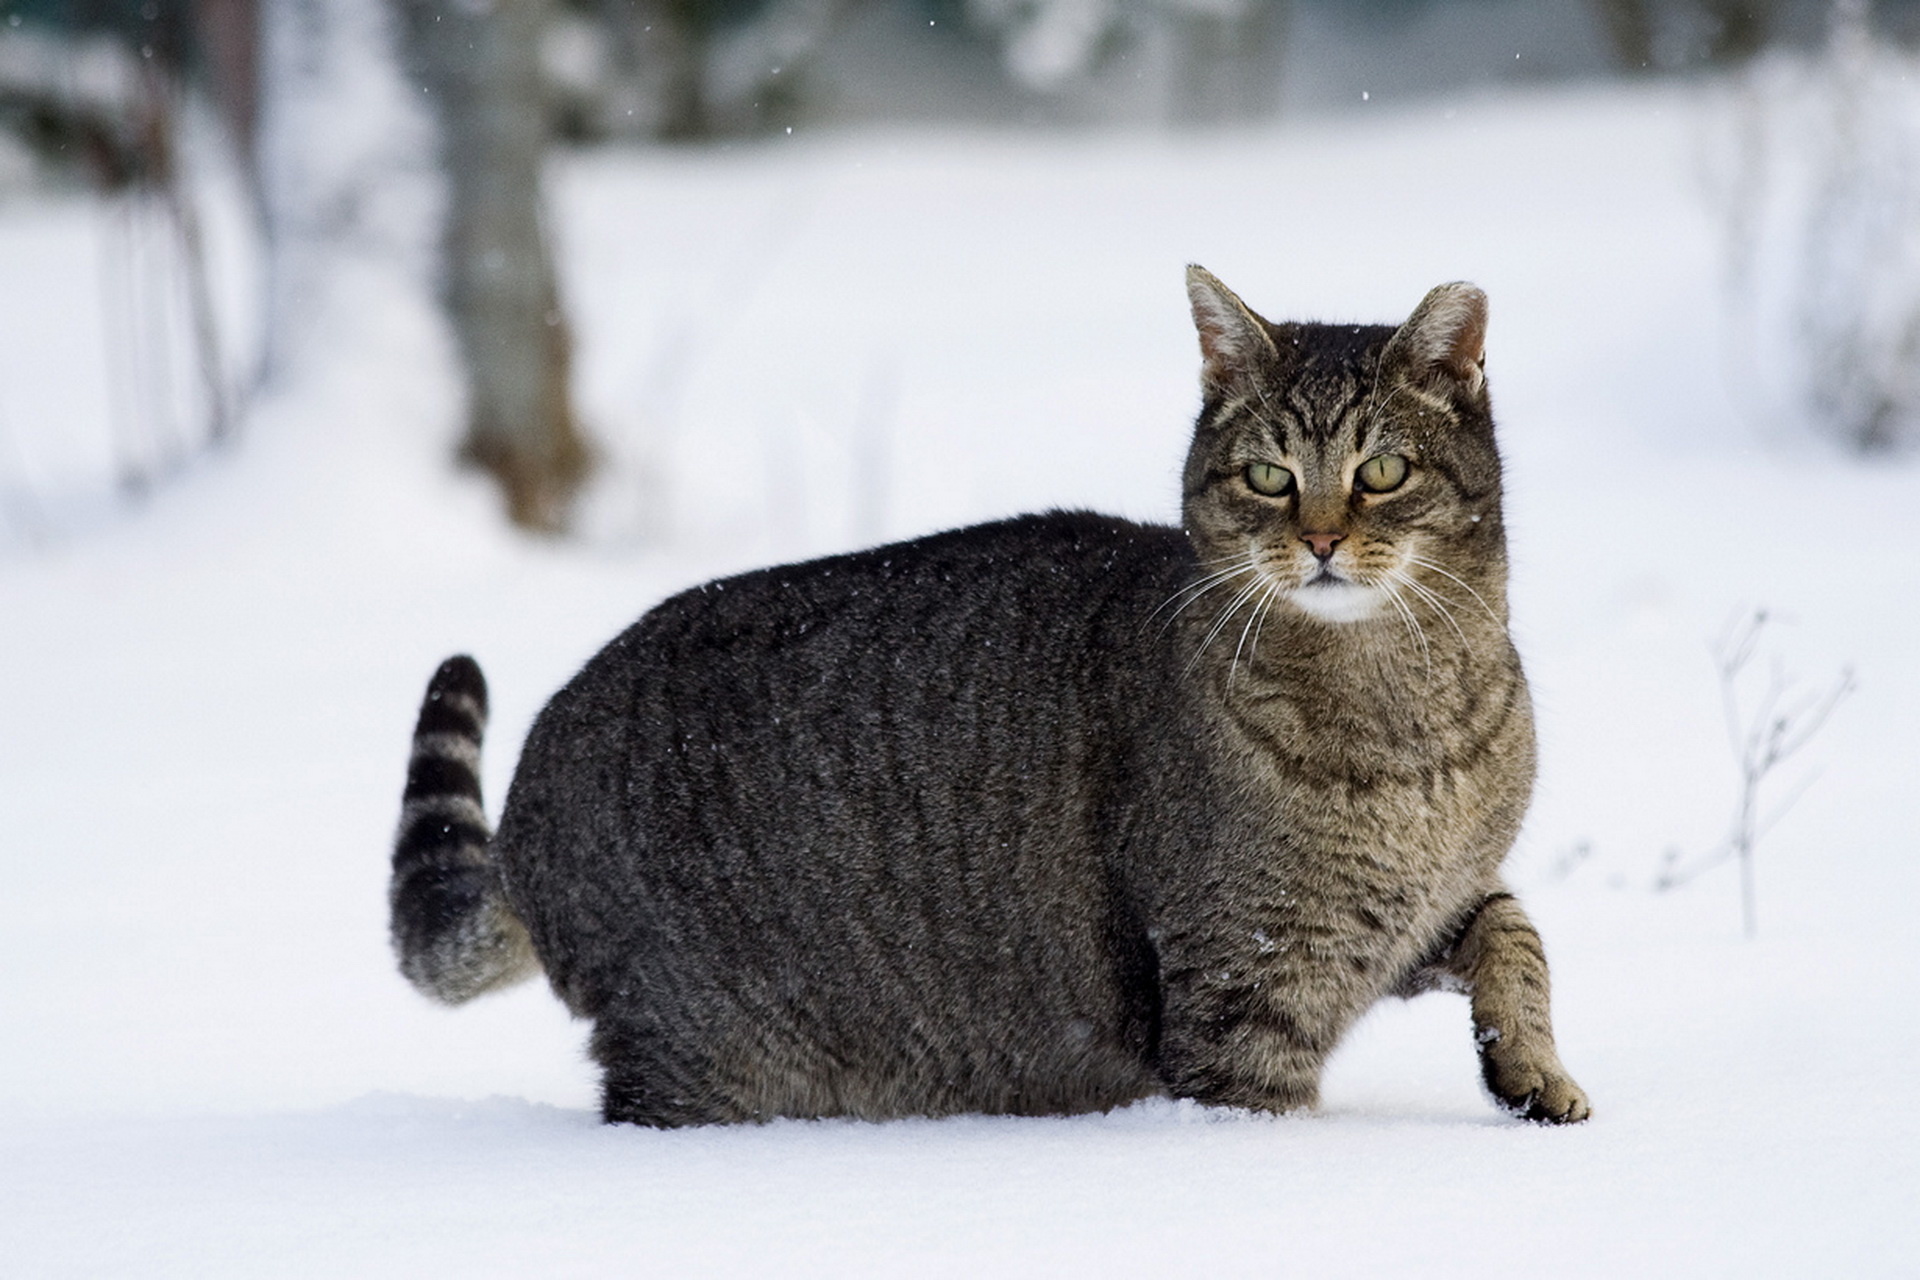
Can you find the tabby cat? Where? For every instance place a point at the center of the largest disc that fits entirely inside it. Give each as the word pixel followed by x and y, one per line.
pixel 1047 815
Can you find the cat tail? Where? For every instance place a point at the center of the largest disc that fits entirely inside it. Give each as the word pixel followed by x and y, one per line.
pixel 453 930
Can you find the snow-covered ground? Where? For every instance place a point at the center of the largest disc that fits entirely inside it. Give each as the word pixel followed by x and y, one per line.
pixel 209 1067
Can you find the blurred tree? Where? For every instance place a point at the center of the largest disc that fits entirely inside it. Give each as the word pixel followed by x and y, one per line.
pixel 1728 31
pixel 1816 175
pixel 96 89
pixel 1858 302
pixel 686 70
pixel 1228 57
pixel 1219 51
pixel 1629 27
pixel 480 65
pixel 228 37
pixel 1739 29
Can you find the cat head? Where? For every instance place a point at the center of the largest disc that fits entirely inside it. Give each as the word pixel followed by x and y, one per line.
pixel 1352 467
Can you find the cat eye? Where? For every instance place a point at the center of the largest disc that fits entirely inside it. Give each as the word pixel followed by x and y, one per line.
pixel 1264 477
pixel 1382 473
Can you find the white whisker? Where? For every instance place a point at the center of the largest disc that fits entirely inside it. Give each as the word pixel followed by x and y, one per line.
pixel 1201 587
pixel 1246 593
pixel 1428 564
pixel 1253 619
pixel 1434 601
pixel 1260 618
pixel 1413 626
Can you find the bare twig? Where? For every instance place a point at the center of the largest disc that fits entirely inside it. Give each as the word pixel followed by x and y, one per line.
pixel 1780 723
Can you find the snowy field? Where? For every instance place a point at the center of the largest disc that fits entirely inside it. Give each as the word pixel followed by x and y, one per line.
pixel 211 1068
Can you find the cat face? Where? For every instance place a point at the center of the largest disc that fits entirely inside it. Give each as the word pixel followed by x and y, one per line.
pixel 1351 468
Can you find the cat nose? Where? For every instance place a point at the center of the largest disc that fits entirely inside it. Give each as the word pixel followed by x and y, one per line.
pixel 1322 544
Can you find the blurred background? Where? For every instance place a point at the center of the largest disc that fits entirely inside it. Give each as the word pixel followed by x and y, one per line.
pixel 182 181
pixel 337 336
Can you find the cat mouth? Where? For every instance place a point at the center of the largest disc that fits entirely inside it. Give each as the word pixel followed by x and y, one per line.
pixel 1333 597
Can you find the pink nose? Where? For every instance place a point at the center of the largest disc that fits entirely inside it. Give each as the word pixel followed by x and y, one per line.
pixel 1322 543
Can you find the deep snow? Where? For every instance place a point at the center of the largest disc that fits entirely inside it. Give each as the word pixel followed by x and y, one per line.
pixel 211 1067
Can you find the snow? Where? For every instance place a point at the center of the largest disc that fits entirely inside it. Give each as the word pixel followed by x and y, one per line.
pixel 212 1068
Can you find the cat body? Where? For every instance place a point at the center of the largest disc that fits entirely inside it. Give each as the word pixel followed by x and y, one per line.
pixel 1046 815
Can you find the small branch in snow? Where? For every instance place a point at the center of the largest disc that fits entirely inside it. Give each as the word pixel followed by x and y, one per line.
pixel 1782 720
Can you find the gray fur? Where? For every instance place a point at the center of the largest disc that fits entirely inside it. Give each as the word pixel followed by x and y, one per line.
pixel 453 932
pixel 1048 815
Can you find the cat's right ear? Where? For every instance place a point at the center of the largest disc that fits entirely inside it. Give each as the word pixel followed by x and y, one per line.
pixel 1233 340
pixel 1446 335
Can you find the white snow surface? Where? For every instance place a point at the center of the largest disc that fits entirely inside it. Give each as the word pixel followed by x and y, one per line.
pixel 211 1067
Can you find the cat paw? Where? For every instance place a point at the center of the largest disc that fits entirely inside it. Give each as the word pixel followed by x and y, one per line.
pixel 1541 1093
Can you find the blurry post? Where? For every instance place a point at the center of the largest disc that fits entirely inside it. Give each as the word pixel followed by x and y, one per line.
pixel 228 36
pixel 479 63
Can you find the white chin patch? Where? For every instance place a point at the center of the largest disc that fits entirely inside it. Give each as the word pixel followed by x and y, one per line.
pixel 1336 601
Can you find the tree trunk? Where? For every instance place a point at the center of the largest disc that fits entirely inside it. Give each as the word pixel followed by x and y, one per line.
pixel 480 65
pixel 1741 29
pixel 1629 29
pixel 228 33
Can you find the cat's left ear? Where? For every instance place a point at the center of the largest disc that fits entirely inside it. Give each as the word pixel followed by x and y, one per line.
pixel 1446 335
pixel 1232 338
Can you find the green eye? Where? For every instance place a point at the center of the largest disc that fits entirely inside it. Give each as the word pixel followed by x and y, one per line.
pixel 1264 477
pixel 1382 473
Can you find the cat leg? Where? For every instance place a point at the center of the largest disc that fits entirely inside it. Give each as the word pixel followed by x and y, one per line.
pixel 1236 1047
pixel 1498 959
pixel 643 1083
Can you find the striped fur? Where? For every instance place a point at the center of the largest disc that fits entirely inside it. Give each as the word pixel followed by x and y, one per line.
pixel 1499 961
pixel 452 929
pixel 1045 815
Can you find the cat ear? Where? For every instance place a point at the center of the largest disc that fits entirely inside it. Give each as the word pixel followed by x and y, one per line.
pixel 1232 337
pixel 1446 334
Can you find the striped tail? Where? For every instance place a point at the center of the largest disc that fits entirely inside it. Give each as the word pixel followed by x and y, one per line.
pixel 453 931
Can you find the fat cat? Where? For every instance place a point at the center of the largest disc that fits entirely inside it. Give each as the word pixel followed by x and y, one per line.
pixel 1047 815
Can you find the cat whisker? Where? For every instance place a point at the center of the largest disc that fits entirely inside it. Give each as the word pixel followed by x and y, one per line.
pixel 1428 564
pixel 1266 607
pixel 1245 594
pixel 1226 615
pixel 1253 620
pixel 1442 599
pixel 1200 588
pixel 1235 564
pixel 1412 624
pixel 1191 600
pixel 1434 600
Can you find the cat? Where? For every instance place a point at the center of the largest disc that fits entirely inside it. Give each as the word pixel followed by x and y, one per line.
pixel 1047 815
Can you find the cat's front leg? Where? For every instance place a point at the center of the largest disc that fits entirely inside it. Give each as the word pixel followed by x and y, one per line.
pixel 1497 957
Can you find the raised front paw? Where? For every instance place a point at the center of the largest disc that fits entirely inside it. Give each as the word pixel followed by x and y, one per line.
pixel 1533 1087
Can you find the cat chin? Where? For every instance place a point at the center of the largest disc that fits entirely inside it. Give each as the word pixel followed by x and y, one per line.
pixel 1336 601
